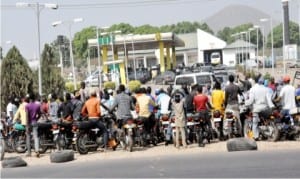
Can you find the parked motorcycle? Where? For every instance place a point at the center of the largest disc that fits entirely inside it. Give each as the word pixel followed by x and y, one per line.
pixel 230 125
pixel 190 127
pixel 129 131
pixel 203 131
pixel 218 124
pixel 45 135
pixel 288 130
pixel 86 136
pixel 62 135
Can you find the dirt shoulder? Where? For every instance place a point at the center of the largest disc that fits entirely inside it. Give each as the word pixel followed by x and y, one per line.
pixel 157 151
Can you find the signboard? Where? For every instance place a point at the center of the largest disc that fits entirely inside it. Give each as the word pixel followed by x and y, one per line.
pixel 290 52
pixel 105 40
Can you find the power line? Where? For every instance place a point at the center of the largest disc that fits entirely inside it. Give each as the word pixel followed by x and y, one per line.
pixel 118 4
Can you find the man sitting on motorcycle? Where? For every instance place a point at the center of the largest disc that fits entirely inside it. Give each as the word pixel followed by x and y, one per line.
pixel 163 102
pixel 143 103
pixel 287 96
pixel 260 99
pixel 201 102
pixel 91 108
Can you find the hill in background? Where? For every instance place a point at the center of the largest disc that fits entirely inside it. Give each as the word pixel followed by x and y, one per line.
pixel 235 15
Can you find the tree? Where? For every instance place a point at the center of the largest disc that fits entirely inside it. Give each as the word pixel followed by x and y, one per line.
pixel 81 43
pixel 227 32
pixel 277 35
pixel 16 76
pixel 51 79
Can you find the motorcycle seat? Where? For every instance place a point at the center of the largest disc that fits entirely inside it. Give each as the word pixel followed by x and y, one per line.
pixel 85 125
pixel 44 125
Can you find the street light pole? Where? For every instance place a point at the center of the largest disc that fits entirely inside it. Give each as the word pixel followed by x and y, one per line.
pixel 133 55
pixel 126 59
pixel 69 23
pixel 38 8
pixel 99 59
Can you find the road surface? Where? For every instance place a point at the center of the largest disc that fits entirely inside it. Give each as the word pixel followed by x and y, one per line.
pixel 253 164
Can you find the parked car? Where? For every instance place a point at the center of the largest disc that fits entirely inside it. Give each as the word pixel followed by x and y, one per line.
pixel 165 78
pixel 202 78
pixel 143 75
pixel 294 64
pixel 93 79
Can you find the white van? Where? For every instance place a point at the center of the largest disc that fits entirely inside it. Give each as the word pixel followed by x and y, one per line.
pixel 202 78
pixel 215 58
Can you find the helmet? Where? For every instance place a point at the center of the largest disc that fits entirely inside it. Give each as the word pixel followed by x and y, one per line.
pixel 157 92
pixel 286 79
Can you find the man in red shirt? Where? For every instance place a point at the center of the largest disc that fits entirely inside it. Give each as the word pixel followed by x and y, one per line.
pixel 201 102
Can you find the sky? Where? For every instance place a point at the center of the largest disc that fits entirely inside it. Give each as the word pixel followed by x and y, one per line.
pixel 19 25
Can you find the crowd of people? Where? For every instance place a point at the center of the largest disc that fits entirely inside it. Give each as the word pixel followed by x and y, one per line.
pixel 259 93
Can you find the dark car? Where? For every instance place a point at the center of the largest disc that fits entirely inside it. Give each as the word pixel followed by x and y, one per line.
pixel 142 75
pixel 200 67
pixel 165 78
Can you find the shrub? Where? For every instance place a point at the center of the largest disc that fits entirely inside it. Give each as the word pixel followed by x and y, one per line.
pixel 110 85
pixel 70 87
pixel 267 76
pixel 134 85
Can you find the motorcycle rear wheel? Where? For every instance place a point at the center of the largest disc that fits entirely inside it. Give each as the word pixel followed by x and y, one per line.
pixel 200 139
pixel 42 148
pixel 19 144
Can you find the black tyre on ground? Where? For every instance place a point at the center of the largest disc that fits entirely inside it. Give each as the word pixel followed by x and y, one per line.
pixel 19 144
pixel 62 156
pixel 13 162
pixel 241 144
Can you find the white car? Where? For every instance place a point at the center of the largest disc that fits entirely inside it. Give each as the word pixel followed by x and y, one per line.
pixel 93 79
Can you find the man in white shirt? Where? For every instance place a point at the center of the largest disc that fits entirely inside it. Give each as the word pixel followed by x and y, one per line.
pixel 163 101
pixel 260 99
pixel 11 110
pixel 287 96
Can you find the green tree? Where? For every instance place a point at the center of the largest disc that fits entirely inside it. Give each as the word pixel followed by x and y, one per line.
pixel 277 35
pixel 80 42
pixel 51 77
pixel 227 34
pixel 123 27
pixel 16 76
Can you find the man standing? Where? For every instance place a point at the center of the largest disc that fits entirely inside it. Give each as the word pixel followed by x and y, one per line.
pixel 287 96
pixel 83 93
pixel 231 100
pixel 33 110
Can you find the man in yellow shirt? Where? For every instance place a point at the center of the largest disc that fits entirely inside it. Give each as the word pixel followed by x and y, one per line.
pixel 20 116
pixel 218 98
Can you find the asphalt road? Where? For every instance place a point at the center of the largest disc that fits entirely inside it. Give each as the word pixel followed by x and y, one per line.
pixel 252 164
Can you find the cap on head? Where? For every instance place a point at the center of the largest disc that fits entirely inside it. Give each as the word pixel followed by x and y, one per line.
pixel 286 79
pixel 110 91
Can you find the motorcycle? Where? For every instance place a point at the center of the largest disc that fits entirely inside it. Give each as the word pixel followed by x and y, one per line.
pixel 109 122
pixel 44 134
pixel 62 135
pixel 218 124
pixel 2 142
pixel 288 130
pixel 129 131
pixel 266 126
pixel 203 131
pixel 86 137
pixel 230 125
pixel 190 127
